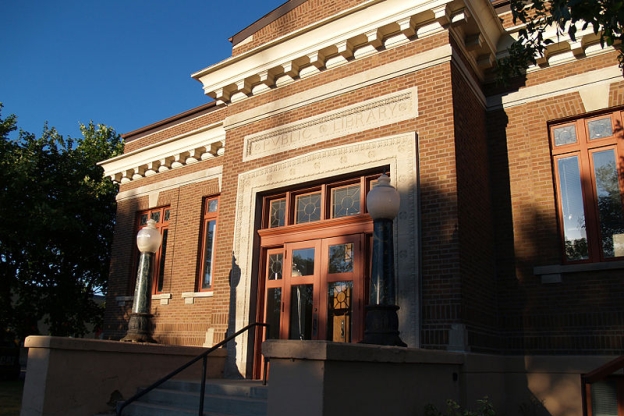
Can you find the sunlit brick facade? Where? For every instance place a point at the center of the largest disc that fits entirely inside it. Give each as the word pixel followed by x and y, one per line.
pixel 320 93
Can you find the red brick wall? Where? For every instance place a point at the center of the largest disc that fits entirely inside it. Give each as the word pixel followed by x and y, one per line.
pixel 474 229
pixel 487 208
pixel 179 323
pixel 583 313
pixel 306 14
pixel 164 134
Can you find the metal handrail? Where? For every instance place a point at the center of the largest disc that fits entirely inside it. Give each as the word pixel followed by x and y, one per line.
pixel 122 405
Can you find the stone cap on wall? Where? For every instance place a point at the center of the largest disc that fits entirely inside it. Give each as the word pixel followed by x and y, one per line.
pixel 335 351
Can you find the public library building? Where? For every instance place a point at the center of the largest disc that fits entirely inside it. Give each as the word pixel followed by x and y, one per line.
pixel 509 241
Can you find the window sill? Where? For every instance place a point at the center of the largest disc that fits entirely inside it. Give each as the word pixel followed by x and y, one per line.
pixel 162 297
pixel 189 297
pixel 552 274
pixel 122 300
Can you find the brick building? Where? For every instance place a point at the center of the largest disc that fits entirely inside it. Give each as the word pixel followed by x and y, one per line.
pixel 509 237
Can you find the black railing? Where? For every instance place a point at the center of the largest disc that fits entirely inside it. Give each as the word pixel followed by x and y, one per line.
pixel 203 356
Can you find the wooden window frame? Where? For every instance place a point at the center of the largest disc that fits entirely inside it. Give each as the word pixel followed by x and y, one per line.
pixel 207 217
pixel 159 257
pixel 583 149
pixel 274 240
pixel 366 182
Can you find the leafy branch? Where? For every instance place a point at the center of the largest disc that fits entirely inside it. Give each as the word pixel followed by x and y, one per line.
pixel 566 17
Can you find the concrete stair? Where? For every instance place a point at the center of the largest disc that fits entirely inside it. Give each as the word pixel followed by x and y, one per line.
pixel 222 397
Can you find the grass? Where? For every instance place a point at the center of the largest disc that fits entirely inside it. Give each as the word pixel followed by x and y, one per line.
pixel 11 397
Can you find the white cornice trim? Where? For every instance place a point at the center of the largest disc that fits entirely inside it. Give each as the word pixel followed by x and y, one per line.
pixel 272 43
pixel 177 151
pixel 351 35
pixel 404 66
pixel 562 86
pixel 173 183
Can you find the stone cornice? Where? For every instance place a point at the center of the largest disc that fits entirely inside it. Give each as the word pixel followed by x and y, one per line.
pixel 356 33
pixel 561 48
pixel 592 81
pixel 175 152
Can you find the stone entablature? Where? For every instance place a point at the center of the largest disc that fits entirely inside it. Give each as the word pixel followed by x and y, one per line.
pixel 369 114
pixel 356 33
pixel 374 26
pixel 201 144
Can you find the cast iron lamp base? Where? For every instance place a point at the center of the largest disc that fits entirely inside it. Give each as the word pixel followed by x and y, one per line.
pixel 139 328
pixel 382 326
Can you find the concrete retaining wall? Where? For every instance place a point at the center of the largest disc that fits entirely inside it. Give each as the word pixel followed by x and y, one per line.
pixel 318 378
pixel 78 377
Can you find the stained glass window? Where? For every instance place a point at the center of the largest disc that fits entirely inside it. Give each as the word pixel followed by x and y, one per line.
pixel 277 216
pixel 565 135
pixel 345 201
pixel 275 266
pixel 308 208
pixel 600 128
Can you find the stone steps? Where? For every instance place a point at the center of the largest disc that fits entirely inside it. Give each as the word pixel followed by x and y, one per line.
pixel 222 397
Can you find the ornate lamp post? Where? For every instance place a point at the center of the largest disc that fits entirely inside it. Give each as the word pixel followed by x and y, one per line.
pixel 139 326
pixel 382 321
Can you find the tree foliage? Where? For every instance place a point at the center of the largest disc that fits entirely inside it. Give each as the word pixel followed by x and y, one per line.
pixel 567 17
pixel 57 213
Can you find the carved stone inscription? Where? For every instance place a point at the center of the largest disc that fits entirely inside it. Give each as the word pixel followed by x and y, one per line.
pixel 369 114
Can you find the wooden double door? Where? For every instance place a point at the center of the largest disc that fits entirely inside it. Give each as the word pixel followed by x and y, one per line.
pixel 315 289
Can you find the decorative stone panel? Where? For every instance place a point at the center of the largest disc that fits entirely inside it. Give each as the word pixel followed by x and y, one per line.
pixel 399 153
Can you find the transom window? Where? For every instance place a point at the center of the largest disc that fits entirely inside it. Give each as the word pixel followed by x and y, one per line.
pixel 588 168
pixel 336 200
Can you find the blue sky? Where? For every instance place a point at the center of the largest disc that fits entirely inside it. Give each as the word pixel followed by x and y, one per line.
pixel 123 63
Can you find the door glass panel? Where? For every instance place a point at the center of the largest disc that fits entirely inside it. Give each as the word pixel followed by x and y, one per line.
pixel 600 128
pixel 303 262
pixel 301 312
pixel 275 266
pixel 609 203
pixel 565 135
pixel 340 258
pixel 345 201
pixel 273 310
pixel 339 311
pixel 308 208
pixel 572 209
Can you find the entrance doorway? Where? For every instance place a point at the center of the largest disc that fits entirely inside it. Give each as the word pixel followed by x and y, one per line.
pixel 312 262
pixel 315 289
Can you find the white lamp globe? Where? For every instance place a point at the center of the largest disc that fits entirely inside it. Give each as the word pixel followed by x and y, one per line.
pixel 148 238
pixel 383 200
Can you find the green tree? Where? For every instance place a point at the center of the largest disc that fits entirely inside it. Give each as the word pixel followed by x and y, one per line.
pixel 57 215
pixel 603 17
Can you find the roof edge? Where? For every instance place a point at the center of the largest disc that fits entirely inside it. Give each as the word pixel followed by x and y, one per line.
pixel 178 118
pixel 264 21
